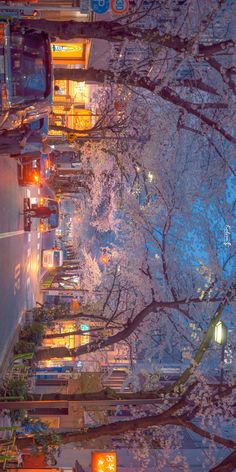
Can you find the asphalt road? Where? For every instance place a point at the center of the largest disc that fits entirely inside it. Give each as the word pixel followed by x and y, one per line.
pixel 20 253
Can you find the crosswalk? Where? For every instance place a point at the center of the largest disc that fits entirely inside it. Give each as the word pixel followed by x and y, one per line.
pixel 26 272
pixel 17 278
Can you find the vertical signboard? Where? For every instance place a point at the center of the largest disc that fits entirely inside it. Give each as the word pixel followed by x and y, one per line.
pixel 104 462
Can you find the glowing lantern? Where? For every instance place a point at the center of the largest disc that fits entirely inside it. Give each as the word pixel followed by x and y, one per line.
pixel 220 333
pixel 104 259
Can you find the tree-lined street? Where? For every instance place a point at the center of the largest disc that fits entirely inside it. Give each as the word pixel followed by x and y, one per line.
pixel 123 126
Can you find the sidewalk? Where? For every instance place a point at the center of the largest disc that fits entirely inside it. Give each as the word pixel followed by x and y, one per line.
pixel 8 351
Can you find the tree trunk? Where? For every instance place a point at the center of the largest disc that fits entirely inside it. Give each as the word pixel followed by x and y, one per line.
pixel 60 352
pixel 135 80
pixel 114 31
pixel 227 465
pixel 217 391
pixel 120 427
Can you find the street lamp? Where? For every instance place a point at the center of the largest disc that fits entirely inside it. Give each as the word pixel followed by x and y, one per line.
pixel 221 338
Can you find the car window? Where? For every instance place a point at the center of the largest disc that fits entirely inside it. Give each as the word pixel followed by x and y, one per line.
pixel 28 66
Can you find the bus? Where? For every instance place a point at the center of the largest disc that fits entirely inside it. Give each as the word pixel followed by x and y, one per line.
pixel 52 258
pixel 25 75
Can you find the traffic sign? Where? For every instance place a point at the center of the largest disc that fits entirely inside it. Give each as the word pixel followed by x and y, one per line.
pixel 119 6
pixel 100 6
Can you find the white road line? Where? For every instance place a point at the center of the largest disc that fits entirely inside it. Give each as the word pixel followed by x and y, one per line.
pixel 28 281
pixel 38 191
pixel 12 233
pixel 29 237
pixel 39 235
pixel 38 255
pixel 28 193
pixel 38 246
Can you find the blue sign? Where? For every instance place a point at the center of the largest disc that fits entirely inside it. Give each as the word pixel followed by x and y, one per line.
pixel 100 6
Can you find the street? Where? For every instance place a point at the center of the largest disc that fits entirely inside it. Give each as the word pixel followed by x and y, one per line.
pixel 20 253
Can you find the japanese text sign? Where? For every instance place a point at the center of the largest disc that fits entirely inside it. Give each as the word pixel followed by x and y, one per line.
pixel 104 462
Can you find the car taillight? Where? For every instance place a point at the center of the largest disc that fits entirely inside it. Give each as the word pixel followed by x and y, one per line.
pixel 36 178
pixel 2 31
pixel 42 227
pixel 41 201
pixel 4 96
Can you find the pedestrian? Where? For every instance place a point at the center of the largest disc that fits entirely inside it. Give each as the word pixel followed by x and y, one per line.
pixel 12 142
pixel 24 143
pixel 41 212
pixel 33 145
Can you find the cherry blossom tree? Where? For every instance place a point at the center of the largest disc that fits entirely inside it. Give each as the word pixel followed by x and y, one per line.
pixel 166 200
pixel 186 54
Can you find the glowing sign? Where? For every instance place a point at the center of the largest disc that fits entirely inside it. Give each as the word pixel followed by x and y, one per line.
pixel 62 50
pixel 84 327
pixel 104 462
pixel 85 337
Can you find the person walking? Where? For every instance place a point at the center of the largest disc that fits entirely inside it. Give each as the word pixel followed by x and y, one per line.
pixel 40 212
pixel 24 143
pixel 12 142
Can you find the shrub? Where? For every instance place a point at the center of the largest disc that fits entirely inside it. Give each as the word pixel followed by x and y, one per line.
pixel 15 388
pixel 24 346
pixel 33 333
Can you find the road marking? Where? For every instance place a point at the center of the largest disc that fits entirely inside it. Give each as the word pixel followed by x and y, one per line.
pixel 29 237
pixel 38 246
pixel 28 251
pixel 28 193
pixel 17 279
pixel 11 233
pixel 28 281
pixel 38 235
pixel 38 191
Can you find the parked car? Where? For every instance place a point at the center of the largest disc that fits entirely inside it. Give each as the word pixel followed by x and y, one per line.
pixel 25 75
pixel 29 174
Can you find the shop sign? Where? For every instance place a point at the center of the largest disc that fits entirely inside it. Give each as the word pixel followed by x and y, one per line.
pixel 16 12
pixel 119 6
pixel 104 462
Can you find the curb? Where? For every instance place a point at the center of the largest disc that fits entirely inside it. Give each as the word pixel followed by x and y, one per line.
pixel 8 351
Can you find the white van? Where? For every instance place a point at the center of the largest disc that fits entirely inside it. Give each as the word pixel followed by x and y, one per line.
pixel 52 258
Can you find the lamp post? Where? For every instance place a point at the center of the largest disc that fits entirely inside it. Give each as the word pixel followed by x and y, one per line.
pixel 221 338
